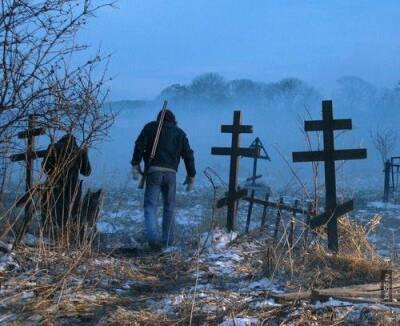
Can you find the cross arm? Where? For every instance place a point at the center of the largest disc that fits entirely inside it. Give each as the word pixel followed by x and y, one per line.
pixel 241 129
pixel 350 154
pixel 254 178
pixel 33 155
pixel 245 152
pixel 319 125
pixel 31 132
pixel 324 218
pixel 312 156
pixel 338 155
pixel 236 196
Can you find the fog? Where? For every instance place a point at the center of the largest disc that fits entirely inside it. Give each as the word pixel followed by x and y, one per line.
pixel 276 110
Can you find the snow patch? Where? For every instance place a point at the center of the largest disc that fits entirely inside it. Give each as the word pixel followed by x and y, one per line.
pixel 382 205
pixel 8 263
pixel 241 321
pixel 264 284
pixel 331 303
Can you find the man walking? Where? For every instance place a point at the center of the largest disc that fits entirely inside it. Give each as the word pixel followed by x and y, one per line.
pixel 161 174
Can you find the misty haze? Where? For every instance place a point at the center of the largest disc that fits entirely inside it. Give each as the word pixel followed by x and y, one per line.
pixel 199 163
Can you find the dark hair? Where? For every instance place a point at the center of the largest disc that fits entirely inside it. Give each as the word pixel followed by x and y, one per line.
pixel 169 117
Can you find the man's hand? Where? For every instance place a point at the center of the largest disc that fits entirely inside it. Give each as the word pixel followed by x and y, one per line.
pixel 135 172
pixel 189 183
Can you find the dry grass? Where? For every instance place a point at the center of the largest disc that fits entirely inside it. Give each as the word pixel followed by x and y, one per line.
pixel 356 262
pixel 81 286
pixel 122 316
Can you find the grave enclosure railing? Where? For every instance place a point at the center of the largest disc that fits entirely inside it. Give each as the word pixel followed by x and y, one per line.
pixel 300 212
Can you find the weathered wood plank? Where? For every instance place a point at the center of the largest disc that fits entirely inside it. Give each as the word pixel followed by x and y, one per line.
pixel 314 156
pixel 236 196
pixel 349 154
pixel 31 133
pixel 324 218
pixel 242 129
pixel 34 155
pixel 318 125
pixel 226 151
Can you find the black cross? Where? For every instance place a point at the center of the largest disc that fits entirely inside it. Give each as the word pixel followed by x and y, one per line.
pixel 235 152
pixel 329 155
pixel 263 155
pixel 29 156
pixel 392 171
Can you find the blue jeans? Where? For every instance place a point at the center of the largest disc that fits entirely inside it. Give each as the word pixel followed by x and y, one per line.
pixel 156 183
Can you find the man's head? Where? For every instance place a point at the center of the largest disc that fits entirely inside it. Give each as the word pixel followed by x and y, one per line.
pixel 169 117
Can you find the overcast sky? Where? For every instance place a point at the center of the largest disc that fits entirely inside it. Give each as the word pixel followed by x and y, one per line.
pixel 155 43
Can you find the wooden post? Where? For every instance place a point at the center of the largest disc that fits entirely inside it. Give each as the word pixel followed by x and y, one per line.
pixel 387 283
pixel 264 213
pixel 292 223
pixel 235 151
pixel 310 212
pixel 386 189
pixel 278 218
pixel 329 155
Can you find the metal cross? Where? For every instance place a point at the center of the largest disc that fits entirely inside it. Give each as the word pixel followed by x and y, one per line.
pixel 263 155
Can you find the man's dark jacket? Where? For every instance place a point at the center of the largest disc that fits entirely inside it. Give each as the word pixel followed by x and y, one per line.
pixel 173 145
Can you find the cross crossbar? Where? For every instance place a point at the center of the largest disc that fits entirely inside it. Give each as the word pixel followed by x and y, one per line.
pixel 338 155
pixel 31 133
pixel 241 129
pixel 324 218
pixel 226 151
pixel 254 178
pixel 229 197
pixel 33 155
pixel 319 125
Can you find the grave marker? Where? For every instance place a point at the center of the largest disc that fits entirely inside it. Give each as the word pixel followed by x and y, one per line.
pixel 235 152
pixel 263 155
pixel 329 155
pixel 29 156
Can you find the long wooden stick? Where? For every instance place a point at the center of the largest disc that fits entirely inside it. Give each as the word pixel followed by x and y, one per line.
pixel 155 144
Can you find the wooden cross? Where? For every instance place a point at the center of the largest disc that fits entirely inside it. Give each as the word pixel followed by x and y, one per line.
pixel 329 155
pixel 235 152
pixel 29 156
pixel 263 155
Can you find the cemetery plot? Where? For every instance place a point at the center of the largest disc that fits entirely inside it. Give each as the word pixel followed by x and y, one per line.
pixel 235 152
pixel 329 155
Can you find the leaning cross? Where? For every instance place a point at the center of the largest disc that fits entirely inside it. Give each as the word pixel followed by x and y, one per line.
pixel 329 155
pixel 235 151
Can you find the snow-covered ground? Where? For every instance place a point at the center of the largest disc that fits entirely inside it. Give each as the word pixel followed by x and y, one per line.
pixel 123 214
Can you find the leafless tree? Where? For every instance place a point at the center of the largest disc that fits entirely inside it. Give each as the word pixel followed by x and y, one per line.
pixel 384 141
pixel 39 73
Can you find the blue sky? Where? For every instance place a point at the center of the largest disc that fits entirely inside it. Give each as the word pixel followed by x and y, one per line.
pixel 155 43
